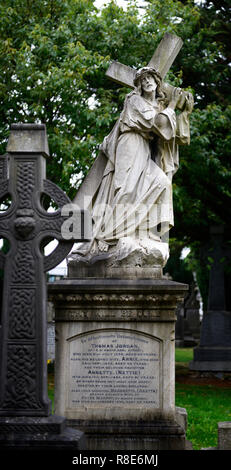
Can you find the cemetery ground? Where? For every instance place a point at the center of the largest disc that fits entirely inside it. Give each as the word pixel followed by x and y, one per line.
pixel 206 398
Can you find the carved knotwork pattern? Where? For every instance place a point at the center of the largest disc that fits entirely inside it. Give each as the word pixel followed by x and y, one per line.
pixel 28 428
pixel 4 225
pixel 22 313
pixel 21 378
pixel 25 182
pixel 3 188
pixel 23 269
pixel 54 225
pixel 3 167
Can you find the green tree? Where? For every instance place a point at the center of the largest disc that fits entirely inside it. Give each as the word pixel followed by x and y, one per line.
pixel 201 187
pixel 46 75
pixel 53 58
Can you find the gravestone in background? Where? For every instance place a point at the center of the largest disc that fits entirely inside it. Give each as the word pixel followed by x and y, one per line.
pixel 50 332
pixel 214 351
pixel 188 319
pixel 25 410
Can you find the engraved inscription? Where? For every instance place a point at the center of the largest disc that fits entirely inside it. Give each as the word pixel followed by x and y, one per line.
pixel 114 368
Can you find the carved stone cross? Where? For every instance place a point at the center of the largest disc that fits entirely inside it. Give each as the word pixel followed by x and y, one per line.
pixel 28 226
pixel 162 60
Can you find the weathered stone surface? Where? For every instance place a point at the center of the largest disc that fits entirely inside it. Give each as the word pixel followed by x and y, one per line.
pixel 132 435
pixel 115 299
pixel 129 186
pixel 214 351
pixel 83 197
pixel 28 138
pixel 24 405
pixel 161 60
pixel 39 433
pixel 165 53
pixel 188 323
pixel 130 259
pixel 122 74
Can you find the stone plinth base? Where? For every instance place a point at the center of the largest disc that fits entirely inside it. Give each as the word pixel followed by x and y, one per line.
pixel 115 361
pixel 132 435
pixel 129 259
pixel 34 433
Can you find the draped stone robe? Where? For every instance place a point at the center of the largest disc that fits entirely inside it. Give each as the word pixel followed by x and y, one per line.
pixel 135 196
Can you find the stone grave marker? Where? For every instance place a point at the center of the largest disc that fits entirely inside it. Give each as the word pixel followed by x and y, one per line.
pixel 25 410
pixel 213 354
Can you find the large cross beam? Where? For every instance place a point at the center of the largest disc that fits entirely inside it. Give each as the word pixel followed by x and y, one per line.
pixel 161 60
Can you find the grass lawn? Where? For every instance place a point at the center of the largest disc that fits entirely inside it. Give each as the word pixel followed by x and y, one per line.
pixel 206 405
pixel 183 355
pixel 51 390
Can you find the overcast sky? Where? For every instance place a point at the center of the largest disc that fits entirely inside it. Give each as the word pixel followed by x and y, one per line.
pixel 100 3
pixel 124 3
pixel 120 3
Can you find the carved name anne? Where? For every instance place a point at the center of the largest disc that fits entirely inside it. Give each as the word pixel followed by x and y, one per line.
pixel 114 368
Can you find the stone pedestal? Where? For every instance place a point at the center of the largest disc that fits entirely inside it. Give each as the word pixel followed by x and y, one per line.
pixel 39 433
pixel 115 364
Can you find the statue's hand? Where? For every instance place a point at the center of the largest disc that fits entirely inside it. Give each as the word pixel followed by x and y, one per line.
pixel 189 103
pixel 176 95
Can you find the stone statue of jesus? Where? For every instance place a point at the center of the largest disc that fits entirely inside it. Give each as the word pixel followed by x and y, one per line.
pixel 134 200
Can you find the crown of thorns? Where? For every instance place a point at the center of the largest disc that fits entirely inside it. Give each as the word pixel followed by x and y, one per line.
pixel 143 71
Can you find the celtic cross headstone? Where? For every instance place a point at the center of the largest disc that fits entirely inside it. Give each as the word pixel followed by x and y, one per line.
pixel 27 225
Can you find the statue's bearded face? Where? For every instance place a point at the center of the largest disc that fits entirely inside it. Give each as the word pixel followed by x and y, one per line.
pixel 148 83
